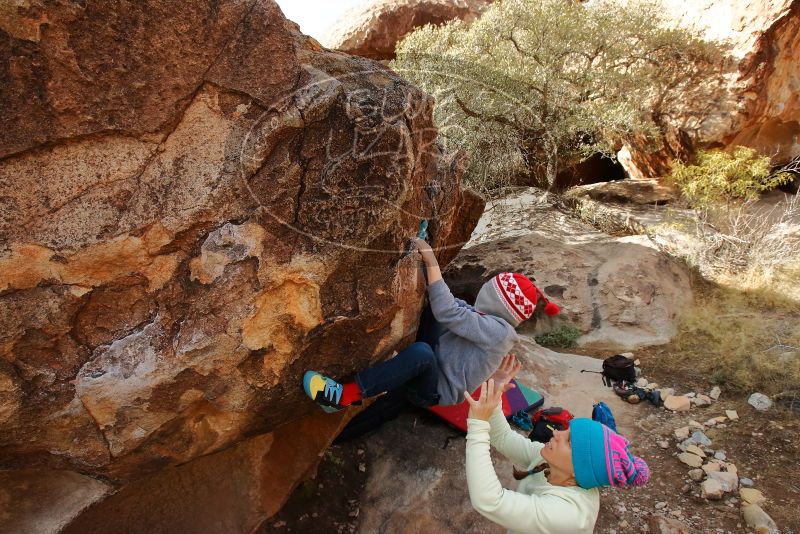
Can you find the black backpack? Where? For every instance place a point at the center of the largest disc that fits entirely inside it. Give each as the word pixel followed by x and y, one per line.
pixel 617 368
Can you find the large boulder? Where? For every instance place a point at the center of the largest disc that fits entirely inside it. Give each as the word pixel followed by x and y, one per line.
pixel 764 41
pixel 197 204
pixel 620 292
pixel 374 27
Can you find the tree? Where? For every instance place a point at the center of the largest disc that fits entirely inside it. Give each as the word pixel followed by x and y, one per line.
pixel 534 85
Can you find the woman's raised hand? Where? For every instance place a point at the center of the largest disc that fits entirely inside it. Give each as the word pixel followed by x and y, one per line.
pixel 487 401
pixel 507 370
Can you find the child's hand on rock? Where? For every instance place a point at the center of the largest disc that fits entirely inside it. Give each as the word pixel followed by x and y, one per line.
pixel 488 400
pixel 425 251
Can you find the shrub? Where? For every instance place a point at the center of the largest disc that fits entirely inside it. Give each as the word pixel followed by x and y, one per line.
pixel 535 85
pixel 720 177
pixel 564 336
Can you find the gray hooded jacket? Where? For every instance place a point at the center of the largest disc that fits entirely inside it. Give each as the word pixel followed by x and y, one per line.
pixel 474 343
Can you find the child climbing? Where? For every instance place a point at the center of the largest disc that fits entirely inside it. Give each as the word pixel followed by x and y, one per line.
pixel 558 491
pixel 458 346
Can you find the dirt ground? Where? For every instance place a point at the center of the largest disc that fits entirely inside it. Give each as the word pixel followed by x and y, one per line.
pixel 765 447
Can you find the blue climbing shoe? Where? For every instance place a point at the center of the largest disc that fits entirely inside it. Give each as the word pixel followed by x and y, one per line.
pixel 323 390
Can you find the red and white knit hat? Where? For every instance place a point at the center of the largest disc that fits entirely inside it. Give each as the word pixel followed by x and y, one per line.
pixel 519 295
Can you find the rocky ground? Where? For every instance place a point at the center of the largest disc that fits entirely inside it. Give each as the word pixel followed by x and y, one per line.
pixel 406 476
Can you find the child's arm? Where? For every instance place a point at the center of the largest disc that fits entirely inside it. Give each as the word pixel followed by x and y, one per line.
pixel 463 321
pixel 463 304
pixel 515 511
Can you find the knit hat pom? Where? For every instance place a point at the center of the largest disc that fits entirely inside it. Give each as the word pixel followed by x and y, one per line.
pixel 551 308
pixel 642 472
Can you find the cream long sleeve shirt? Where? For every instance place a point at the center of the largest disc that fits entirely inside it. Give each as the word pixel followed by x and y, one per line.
pixel 537 507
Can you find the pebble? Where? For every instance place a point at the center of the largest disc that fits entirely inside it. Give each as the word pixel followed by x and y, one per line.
pixel 695 424
pixel 758 520
pixel 661 505
pixel 697 474
pixel 712 467
pixel 720 455
pixel 623 524
pixel 691 394
pixel 692 460
pixel 694 449
pixel 666 525
pixel 702 400
pixel 700 439
pixel 677 403
pixel 732 415
pixel 715 392
pixel 362 467
pixel 751 496
pixel 728 481
pixel 663 444
pixel 711 489
pixel 681 433
pixel 642 382
pixel 746 482
pixel 666 392
pixel 760 402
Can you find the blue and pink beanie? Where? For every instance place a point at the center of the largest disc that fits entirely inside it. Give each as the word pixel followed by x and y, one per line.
pixel 601 457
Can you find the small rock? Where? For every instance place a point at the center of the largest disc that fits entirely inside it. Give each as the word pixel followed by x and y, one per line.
pixel 691 394
pixel 279 524
pixel 628 355
pixel 663 444
pixel 637 372
pixel 758 520
pixel 732 415
pixel 720 419
pixel 751 496
pixel 711 489
pixel 722 425
pixel 362 467
pixel 715 392
pixel 677 403
pixel 695 424
pixel 720 455
pixel 623 524
pixel 729 467
pixel 661 505
pixel 700 439
pixel 692 460
pixel 666 392
pixel 681 433
pixel 360 452
pixel 728 481
pixel 760 402
pixel 697 474
pixel 676 513
pixel 354 513
pixel 702 400
pixel 686 488
pixel 746 482
pixel 666 525
pixel 711 423
pixel 642 382
pixel 712 467
pixel 694 449
pixel 651 386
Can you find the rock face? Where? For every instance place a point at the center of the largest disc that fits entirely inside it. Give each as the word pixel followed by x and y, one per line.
pixel 621 293
pixel 373 28
pixel 765 40
pixel 197 203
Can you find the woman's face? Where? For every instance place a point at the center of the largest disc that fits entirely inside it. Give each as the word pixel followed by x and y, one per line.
pixel 558 452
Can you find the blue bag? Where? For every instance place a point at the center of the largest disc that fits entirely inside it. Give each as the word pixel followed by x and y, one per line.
pixel 602 414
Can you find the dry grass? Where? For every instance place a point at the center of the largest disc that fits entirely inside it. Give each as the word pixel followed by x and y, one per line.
pixel 746 340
